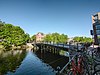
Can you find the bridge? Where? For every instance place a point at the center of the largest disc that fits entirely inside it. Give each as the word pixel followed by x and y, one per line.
pixel 56 48
pixel 59 46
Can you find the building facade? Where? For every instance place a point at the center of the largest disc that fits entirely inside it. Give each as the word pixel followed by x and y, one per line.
pixel 39 37
pixel 96 27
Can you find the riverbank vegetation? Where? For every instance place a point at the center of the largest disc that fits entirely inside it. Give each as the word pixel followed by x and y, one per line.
pixel 83 39
pixel 56 37
pixel 87 41
pixel 11 35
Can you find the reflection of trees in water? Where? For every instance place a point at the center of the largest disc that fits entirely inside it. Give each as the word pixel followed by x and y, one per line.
pixel 9 61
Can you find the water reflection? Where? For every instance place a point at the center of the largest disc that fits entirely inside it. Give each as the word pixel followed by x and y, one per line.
pixel 10 60
pixel 32 65
pixel 20 62
pixel 25 62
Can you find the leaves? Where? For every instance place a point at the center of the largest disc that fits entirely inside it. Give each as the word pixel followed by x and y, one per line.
pixel 13 35
pixel 56 37
pixel 33 38
pixel 83 39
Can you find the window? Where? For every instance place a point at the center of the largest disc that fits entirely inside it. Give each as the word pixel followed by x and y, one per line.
pixel 98 32
pixel 98 27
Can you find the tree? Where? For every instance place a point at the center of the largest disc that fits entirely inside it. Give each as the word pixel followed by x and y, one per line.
pixel 83 39
pixel 56 37
pixel 33 38
pixel 13 35
pixel 48 38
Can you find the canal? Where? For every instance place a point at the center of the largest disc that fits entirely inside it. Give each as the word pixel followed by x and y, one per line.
pixel 29 62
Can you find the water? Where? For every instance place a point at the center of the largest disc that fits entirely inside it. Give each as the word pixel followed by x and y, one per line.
pixel 22 62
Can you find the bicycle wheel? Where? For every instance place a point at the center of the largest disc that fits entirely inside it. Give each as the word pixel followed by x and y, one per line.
pixel 97 67
pixel 96 72
pixel 85 69
pixel 85 63
pixel 96 56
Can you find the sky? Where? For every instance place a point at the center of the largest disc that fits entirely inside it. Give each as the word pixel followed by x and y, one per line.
pixel 69 17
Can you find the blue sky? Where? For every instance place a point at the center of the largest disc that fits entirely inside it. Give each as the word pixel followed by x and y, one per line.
pixel 71 17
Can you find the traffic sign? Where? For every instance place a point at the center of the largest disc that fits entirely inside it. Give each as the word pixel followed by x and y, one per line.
pixel 91 32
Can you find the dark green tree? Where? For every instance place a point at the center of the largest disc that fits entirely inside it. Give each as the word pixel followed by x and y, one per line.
pixel 83 39
pixel 56 37
pixel 12 35
pixel 33 38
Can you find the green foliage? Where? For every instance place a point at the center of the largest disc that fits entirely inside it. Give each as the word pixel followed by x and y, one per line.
pixel 83 39
pixel 56 37
pixel 33 38
pixel 48 38
pixel 12 35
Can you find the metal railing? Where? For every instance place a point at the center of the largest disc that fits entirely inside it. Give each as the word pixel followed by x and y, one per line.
pixel 67 63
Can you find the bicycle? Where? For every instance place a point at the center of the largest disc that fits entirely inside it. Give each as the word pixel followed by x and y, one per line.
pixel 77 65
pixel 96 72
pixel 80 67
pixel 96 55
pixel 97 67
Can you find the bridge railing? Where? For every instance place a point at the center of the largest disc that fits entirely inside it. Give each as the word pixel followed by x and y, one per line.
pixel 70 46
pixel 61 71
